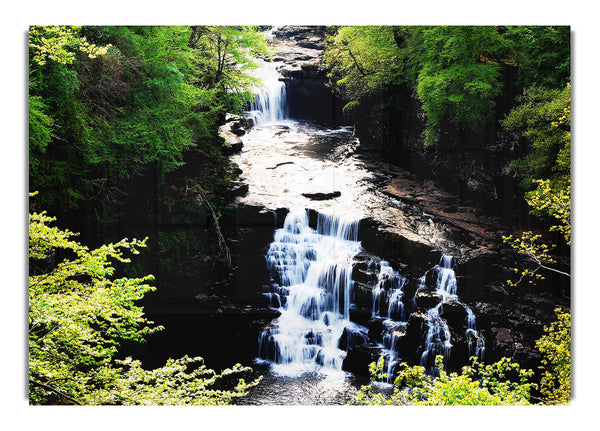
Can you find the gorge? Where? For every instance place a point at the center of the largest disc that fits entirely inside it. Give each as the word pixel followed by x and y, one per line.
pixel 308 211
pixel 367 260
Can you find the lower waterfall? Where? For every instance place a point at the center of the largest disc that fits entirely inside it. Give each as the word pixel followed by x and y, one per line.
pixel 313 290
pixel 312 286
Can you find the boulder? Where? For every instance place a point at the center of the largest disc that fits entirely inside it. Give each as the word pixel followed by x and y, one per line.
pixel 426 300
pixel 358 358
pixel 232 143
pixel 455 314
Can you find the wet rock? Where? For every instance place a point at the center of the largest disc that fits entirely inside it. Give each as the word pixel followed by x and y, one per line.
pixel 455 314
pixel 410 343
pixel 541 306
pixel 358 358
pixel 459 353
pixel 363 295
pixel 489 314
pixel 322 196
pixel 231 142
pixel 502 341
pixel 496 292
pixel 351 339
pixel 376 328
pixel 361 274
pixel 280 164
pixel 526 356
pixel 426 300
pixel 313 338
pixel 237 188
pixel 239 124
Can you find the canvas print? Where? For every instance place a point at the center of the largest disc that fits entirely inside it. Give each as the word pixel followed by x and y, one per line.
pixel 299 215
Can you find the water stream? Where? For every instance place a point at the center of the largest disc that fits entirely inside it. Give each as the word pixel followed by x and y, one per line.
pixel 269 106
pixel 286 164
pixel 312 274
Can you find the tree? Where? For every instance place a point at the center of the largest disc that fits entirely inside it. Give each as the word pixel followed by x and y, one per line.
pixel 78 315
pixel 550 132
pixel 57 43
pixel 543 118
pixel 109 102
pixel 457 81
pixel 542 54
pixel 455 71
pixel 362 61
pixel 227 54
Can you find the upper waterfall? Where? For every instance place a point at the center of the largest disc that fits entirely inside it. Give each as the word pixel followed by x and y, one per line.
pixel 269 106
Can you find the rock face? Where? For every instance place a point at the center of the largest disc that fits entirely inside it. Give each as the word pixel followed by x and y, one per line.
pixel 234 127
pixel 322 196
pixel 508 319
pixel 299 49
pixel 474 166
pixel 473 170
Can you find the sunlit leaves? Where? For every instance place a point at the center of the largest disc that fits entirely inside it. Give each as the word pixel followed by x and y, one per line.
pixel 501 383
pixel 555 347
pixel 543 117
pixel 362 60
pixel 57 42
pixel 555 204
pixel 107 102
pixel 78 316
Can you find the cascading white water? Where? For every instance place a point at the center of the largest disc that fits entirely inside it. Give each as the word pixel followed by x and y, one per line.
pixel 388 293
pixel 388 305
pixel 269 106
pixel 312 275
pixel 438 338
pixel 475 340
pixel 312 288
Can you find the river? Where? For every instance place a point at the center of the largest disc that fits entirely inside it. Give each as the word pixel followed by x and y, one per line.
pixel 305 353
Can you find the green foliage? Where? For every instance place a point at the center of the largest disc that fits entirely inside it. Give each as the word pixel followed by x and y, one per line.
pixel 78 315
pixel 454 70
pixel 362 60
pixel 40 124
pixel 367 395
pixel 556 205
pixel 542 53
pixel 454 82
pixel 442 65
pixel 502 383
pixel 227 53
pixel 555 347
pixel 553 203
pixel 57 42
pixel 543 117
pixel 154 93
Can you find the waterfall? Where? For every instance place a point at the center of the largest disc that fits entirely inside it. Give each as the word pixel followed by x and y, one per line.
pixel 388 305
pixel 311 271
pixel 437 339
pixel 475 340
pixel 269 105
pixel 312 288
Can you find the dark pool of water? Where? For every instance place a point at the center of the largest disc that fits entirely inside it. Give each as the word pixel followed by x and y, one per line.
pixel 310 388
